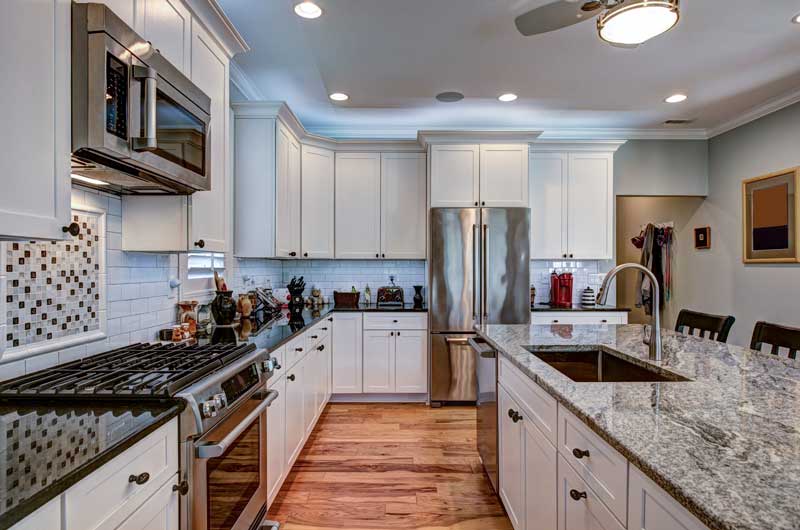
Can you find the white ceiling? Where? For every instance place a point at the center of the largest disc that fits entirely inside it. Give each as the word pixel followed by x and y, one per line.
pixel 393 56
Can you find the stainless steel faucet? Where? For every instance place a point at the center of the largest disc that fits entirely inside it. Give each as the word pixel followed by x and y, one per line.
pixel 655 334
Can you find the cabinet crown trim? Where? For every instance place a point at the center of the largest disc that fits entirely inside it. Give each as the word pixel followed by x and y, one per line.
pixel 594 146
pixel 426 138
pixel 214 19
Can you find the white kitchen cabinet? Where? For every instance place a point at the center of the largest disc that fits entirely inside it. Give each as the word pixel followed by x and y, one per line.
pixel 358 205
pixel 276 432
pixel 129 11
pixel 167 24
pixel 590 196
pixel 403 205
pixel 159 512
pixel 346 363
pixel 308 367
pixel 504 175
pixel 455 176
pixel 579 508
pixel 36 103
pixel 572 205
pixel 512 457
pixel 379 361
pixel 295 426
pixel 411 362
pixel 287 194
pixel 47 517
pixel 317 193
pixel 540 470
pixel 210 209
pixel 548 201
pixel 579 317
pixel 651 508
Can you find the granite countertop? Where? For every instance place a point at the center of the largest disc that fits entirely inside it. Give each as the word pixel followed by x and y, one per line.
pixel 726 445
pixel 578 308
pixel 46 448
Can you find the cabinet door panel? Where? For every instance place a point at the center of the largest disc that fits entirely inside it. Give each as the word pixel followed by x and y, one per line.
pixel 504 175
pixel 317 202
pixel 209 221
pixel 295 427
pixel 512 454
pixel 541 479
pixel 455 176
pixel 585 513
pixel 651 508
pixel 47 517
pixel 403 206
pixel 346 357
pixel 287 194
pixel 35 202
pixel 159 512
pixel 378 361
pixel 168 25
pixel 308 367
pixel 276 443
pixel 358 207
pixel 411 362
pixel 590 206
pixel 548 200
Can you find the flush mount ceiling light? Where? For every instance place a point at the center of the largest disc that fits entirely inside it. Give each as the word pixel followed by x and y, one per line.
pixel 506 98
pixel 636 21
pixel 449 97
pixel 796 19
pixel 676 98
pixel 339 96
pixel 308 9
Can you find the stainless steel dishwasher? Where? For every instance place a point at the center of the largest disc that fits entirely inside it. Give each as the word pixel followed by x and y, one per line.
pixel 486 368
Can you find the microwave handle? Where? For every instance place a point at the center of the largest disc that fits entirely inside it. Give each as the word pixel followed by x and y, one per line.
pixel 219 448
pixel 149 78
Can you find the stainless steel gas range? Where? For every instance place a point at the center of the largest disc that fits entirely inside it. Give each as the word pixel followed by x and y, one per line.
pixel 222 429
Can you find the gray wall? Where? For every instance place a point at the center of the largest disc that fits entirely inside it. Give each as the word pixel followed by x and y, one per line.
pixel 720 282
pixel 662 167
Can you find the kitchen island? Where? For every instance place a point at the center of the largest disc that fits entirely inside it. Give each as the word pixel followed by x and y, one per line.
pixel 725 445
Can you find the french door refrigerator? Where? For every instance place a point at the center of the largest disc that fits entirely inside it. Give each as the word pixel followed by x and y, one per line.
pixel 479 267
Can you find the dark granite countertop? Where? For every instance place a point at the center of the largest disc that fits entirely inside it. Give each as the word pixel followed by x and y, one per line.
pixel 46 448
pixel 578 308
pixel 406 308
pixel 726 445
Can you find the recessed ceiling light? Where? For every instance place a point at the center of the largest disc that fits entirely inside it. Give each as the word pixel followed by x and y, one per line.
pixel 308 9
pixel 505 98
pixel 449 97
pixel 676 98
pixel 796 19
pixel 88 180
pixel 339 96
pixel 636 21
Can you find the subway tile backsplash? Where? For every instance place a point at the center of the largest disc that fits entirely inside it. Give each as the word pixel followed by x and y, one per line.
pixel 589 273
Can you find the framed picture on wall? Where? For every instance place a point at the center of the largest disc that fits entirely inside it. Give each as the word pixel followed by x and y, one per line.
pixel 771 207
pixel 702 237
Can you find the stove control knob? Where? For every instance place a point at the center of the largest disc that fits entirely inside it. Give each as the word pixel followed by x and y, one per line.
pixel 207 409
pixel 220 401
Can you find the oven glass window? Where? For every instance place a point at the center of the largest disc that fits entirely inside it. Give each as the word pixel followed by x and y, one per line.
pixel 233 479
pixel 181 136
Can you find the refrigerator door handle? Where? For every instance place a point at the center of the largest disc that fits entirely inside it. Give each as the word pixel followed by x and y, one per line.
pixel 484 246
pixel 474 271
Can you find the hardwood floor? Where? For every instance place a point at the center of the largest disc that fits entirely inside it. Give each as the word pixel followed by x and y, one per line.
pixel 379 466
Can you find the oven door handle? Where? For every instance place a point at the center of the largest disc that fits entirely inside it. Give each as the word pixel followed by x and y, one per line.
pixel 219 448
pixel 149 78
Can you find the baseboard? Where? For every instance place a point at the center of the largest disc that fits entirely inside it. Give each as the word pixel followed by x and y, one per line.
pixel 379 398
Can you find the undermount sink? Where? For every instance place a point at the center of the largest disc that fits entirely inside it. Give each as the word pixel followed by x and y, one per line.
pixel 597 366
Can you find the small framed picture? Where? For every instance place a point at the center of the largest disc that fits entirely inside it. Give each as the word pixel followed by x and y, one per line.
pixel 702 237
pixel 771 207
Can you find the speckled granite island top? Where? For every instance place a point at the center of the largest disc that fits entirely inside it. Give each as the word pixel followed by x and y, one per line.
pixel 726 445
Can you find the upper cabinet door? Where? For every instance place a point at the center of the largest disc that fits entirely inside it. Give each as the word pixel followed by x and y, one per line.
pixel 548 193
pixel 35 202
pixel 209 215
pixel 403 205
pixel 129 11
pixel 455 176
pixel 504 176
pixel 358 205
pixel 590 210
pixel 168 25
pixel 317 202
pixel 287 194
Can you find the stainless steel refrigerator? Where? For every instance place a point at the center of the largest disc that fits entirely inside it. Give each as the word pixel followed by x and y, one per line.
pixel 479 266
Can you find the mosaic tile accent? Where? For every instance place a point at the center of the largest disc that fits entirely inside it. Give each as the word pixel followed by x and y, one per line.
pixel 53 289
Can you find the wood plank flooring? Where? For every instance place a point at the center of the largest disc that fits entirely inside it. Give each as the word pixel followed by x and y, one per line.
pixel 389 466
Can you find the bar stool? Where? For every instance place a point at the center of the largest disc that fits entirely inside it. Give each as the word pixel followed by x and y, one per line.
pixel 714 327
pixel 777 336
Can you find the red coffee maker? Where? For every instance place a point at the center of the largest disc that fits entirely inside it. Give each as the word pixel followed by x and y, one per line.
pixel 561 289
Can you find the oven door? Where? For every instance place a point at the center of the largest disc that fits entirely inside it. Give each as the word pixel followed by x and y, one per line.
pixel 229 469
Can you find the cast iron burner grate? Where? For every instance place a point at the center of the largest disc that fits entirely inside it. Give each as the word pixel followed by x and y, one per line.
pixel 139 370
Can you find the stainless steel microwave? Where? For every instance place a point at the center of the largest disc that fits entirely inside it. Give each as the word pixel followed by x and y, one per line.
pixel 138 124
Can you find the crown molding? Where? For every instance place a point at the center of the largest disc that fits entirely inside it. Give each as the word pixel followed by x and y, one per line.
pixel 243 82
pixel 593 146
pixel 214 19
pixel 754 113
pixel 624 134
pixel 425 138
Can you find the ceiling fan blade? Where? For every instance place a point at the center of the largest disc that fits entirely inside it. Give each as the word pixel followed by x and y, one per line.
pixel 551 17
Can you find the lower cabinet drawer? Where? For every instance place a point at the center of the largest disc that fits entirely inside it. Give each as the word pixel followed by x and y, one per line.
pixel 537 405
pixel 396 321
pixel 578 505
pixel 106 498
pixel 596 462
pixel 589 317
pixel 159 511
pixel 295 350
